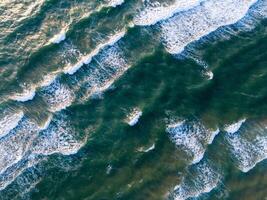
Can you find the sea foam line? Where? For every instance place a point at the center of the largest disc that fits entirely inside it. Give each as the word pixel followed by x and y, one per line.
pixel 9 121
pixel 61 36
pixel 192 137
pixel 201 178
pixel 58 37
pixel 186 27
pixel 99 75
pixel 155 12
pixel 57 95
pixel 21 135
pixel 34 142
pixel 87 59
pixel 26 95
pixel 248 150
pixel 115 3
pixel 232 128
pixel 30 91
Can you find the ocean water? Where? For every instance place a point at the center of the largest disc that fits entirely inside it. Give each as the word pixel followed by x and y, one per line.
pixel 133 99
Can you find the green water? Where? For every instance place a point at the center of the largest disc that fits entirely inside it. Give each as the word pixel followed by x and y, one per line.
pixel 157 84
pixel 113 162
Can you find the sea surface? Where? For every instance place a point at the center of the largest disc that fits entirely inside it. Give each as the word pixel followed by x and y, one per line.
pixel 133 100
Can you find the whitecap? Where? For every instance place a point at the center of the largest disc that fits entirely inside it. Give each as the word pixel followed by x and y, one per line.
pixel 14 172
pixel 232 128
pixel 155 11
pixel 29 91
pixel 46 123
pixel 192 137
pixel 186 27
pixel 114 3
pixel 9 120
pixel 201 178
pixel 33 143
pixel 58 37
pixel 108 65
pixel 22 136
pixel 59 137
pixel 88 58
pixel 47 80
pixel 71 70
pixel 213 135
pixel 209 74
pixel 133 117
pixel 152 147
pixel 26 95
pixel 188 135
pixel 148 149
pixel 248 149
pixel 109 168
pixel 58 96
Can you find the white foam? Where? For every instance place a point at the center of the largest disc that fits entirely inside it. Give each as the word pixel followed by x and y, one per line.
pixel 155 12
pixel 87 59
pixel 108 66
pixel 213 135
pixel 189 26
pixel 109 168
pixel 9 121
pixel 189 137
pixel 58 37
pixel 112 57
pixel 30 176
pixel 45 125
pixel 29 91
pixel 232 128
pixel 114 3
pixel 59 137
pixel 248 149
pixel 74 68
pixel 58 96
pixel 209 74
pixel 47 80
pixel 31 141
pixel 199 180
pixel 27 95
pixel 133 117
pixel 143 149
pixel 152 147
pixel 15 171
pixel 14 146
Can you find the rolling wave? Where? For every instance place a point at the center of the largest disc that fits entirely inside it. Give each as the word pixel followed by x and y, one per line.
pixel 201 178
pixel 168 26
pixel 75 69
pixel 154 12
pixel 33 143
pixel 192 137
pixel 246 148
pixel 8 121
pixel 191 25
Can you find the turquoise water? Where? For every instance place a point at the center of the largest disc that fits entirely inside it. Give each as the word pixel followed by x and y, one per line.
pixel 133 99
